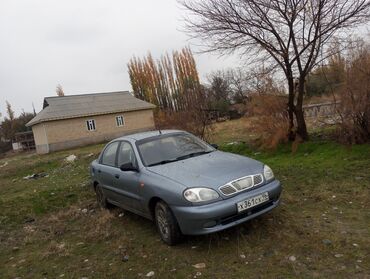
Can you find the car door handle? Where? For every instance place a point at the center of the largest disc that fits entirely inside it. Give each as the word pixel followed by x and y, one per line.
pixel 116 176
pixel 99 171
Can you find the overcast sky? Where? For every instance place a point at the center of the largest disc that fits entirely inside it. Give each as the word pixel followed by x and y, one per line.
pixel 84 45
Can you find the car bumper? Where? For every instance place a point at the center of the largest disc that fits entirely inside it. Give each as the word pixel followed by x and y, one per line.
pixel 220 215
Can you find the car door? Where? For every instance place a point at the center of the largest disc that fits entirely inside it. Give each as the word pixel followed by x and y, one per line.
pixel 127 182
pixel 107 169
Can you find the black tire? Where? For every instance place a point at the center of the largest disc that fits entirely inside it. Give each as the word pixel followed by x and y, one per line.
pixel 100 197
pixel 167 225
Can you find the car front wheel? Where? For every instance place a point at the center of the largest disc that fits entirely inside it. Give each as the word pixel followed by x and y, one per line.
pixel 166 224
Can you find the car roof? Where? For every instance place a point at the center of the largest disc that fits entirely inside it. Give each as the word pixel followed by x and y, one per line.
pixel 149 134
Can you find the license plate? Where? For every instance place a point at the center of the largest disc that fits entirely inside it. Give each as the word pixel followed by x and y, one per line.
pixel 252 202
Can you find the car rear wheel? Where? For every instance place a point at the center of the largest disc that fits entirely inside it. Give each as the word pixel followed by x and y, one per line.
pixel 100 197
pixel 166 224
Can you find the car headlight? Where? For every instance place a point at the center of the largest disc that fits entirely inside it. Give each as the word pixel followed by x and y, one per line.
pixel 200 194
pixel 267 173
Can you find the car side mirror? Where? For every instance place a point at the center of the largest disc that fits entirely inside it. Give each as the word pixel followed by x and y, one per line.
pixel 214 145
pixel 128 167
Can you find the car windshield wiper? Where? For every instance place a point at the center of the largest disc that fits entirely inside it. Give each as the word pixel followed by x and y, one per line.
pixel 193 154
pixel 162 162
pixel 180 158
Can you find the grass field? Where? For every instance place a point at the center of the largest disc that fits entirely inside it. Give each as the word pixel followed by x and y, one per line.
pixel 51 227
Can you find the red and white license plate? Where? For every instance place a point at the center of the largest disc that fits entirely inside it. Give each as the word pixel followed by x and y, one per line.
pixel 252 202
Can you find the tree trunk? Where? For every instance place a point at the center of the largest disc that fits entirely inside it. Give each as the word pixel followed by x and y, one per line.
pixel 301 123
pixel 291 108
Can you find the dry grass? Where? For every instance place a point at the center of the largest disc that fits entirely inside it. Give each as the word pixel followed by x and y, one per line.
pixel 354 110
pixel 270 120
pixel 239 130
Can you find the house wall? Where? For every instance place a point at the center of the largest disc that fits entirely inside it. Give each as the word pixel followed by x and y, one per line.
pixel 41 141
pixel 68 133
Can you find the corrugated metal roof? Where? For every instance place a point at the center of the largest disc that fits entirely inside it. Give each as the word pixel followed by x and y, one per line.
pixel 73 106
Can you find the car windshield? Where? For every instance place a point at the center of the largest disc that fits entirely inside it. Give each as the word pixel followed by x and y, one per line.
pixel 171 148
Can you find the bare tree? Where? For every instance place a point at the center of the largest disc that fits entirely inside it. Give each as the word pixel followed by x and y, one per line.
pixel 239 80
pixel 354 108
pixel 220 86
pixel 235 82
pixel 293 34
pixel 33 109
pixel 7 126
pixel 10 111
pixel 59 91
pixel 171 83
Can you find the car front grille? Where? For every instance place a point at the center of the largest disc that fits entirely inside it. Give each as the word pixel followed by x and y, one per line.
pixel 257 179
pixel 241 184
pixel 228 190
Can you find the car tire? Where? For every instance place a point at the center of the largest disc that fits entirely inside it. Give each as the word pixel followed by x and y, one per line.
pixel 100 197
pixel 167 225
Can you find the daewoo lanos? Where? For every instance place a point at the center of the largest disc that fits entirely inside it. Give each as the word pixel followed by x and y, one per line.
pixel 184 184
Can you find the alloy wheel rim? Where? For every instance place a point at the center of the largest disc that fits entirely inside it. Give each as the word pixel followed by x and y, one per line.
pixel 162 223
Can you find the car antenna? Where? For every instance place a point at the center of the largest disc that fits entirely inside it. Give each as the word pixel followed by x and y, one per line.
pixel 158 125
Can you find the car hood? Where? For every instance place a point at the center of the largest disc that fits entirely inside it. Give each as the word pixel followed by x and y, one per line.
pixel 209 170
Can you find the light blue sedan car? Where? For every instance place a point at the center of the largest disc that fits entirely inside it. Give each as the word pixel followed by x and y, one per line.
pixel 184 184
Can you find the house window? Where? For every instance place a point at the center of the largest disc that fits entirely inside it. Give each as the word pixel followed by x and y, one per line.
pixel 90 125
pixel 120 121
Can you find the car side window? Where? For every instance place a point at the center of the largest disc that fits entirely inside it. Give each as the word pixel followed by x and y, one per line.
pixel 126 154
pixel 109 155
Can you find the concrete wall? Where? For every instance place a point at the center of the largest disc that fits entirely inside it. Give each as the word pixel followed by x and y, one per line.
pixel 68 133
pixel 321 110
